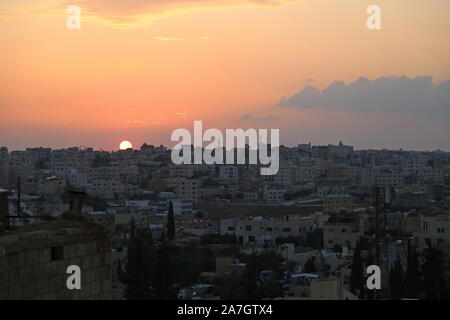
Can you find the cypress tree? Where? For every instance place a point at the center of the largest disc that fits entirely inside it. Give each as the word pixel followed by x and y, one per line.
pixel 396 281
pixel 412 273
pixel 357 272
pixel 433 281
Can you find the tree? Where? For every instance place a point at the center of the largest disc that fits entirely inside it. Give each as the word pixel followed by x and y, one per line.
pixel 252 286
pixel 310 266
pixel 251 274
pixel 170 223
pixel 120 273
pixel 412 273
pixel 396 281
pixel 163 273
pixel 433 281
pixel 357 272
pixel 337 247
pixel 314 238
pixel 139 265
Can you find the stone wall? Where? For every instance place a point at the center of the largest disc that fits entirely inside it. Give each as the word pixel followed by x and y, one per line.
pixel 33 262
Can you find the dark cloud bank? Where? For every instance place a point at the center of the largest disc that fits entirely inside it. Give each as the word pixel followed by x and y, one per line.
pixel 417 96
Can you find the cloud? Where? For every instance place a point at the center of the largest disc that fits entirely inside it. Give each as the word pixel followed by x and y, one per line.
pixel 123 14
pixel 418 96
pixel 129 13
pixel 11 10
pixel 168 39
pixel 253 118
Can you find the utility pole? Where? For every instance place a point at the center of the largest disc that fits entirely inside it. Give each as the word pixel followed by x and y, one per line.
pixel 383 199
pixel 377 231
pixel 386 205
pixel 377 219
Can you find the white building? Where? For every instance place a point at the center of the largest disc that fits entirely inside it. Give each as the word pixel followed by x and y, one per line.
pixel 264 231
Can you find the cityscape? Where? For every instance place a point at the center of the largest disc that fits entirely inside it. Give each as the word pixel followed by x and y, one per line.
pixel 224 158
pixel 140 227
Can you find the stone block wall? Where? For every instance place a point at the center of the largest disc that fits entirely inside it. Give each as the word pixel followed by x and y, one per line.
pixel 33 265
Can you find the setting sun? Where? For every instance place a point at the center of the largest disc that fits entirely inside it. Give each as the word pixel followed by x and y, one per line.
pixel 124 145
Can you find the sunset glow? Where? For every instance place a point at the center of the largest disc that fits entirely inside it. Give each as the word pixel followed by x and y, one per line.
pixel 143 68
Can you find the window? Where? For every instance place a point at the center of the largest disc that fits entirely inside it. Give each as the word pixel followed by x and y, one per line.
pixel 248 228
pixel 330 241
pixel 251 239
pixel 230 228
pixel 57 253
pixel 269 229
pixel 344 230
pixel 286 229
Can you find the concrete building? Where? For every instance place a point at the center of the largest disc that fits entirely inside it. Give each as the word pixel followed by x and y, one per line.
pixel 274 195
pixel 54 186
pixel 343 230
pixel 184 170
pixel 335 204
pixel 4 172
pixel 188 189
pixel 263 231
pixel 340 150
pixel 181 206
pixel 434 230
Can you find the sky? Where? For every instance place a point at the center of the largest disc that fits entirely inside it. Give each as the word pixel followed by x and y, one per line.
pixel 139 69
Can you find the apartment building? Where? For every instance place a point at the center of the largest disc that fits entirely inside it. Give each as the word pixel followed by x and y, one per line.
pixel 343 230
pixel 264 231
pixel 4 172
pixel 188 189
pixel 274 195
pixel 434 230
pixel 185 170
pixel 181 206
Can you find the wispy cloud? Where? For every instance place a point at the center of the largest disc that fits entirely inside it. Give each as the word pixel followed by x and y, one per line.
pixel 168 39
pixel 125 13
pixel 182 115
pixel 23 9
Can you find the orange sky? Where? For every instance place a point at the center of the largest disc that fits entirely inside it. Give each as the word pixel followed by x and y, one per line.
pixel 139 69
